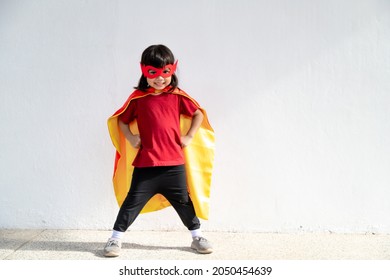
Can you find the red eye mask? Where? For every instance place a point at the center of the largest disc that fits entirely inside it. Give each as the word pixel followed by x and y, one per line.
pixel 152 72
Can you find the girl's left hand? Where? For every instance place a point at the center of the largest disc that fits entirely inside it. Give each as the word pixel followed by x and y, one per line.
pixel 185 141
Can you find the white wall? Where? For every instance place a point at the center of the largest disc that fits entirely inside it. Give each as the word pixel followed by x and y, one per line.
pixel 297 91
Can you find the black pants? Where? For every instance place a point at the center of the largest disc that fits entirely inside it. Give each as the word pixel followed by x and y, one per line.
pixel 170 181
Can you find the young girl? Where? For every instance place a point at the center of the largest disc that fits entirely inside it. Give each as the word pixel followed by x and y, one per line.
pixel 165 145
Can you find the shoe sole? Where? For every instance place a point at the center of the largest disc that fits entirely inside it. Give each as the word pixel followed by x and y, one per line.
pixel 111 254
pixel 207 251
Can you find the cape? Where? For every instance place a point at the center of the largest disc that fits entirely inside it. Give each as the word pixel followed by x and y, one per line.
pixel 199 159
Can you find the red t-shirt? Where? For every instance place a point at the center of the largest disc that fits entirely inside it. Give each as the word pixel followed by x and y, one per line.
pixel 158 119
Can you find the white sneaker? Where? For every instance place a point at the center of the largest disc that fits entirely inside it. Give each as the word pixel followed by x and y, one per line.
pixel 112 248
pixel 201 245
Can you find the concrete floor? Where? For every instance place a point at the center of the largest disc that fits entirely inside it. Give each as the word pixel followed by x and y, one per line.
pixel 174 245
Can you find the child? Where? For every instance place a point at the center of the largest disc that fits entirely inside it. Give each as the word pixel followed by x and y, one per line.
pixel 165 144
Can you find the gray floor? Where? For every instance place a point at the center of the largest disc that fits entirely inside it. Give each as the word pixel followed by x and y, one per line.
pixel 174 245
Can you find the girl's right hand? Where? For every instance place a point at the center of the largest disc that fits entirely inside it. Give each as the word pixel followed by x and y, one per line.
pixel 135 141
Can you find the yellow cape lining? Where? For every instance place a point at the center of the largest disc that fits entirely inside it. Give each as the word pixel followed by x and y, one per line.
pixel 199 158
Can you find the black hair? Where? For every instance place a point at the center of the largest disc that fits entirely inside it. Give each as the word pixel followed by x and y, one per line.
pixel 157 56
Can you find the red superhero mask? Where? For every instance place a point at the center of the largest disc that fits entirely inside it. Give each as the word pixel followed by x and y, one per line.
pixel 152 72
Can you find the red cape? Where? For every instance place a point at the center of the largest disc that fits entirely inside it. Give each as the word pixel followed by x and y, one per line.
pixel 199 157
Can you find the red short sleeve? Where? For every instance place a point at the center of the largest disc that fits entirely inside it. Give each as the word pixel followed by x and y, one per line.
pixel 187 107
pixel 130 113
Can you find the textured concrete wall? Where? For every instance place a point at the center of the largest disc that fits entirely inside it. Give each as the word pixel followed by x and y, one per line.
pixel 297 92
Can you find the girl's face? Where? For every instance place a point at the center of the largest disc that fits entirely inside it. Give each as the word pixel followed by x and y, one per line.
pixel 159 83
pixel 158 78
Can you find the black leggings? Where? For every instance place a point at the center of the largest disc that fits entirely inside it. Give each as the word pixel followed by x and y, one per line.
pixel 170 181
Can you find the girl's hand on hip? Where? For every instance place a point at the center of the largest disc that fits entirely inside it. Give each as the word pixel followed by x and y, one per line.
pixel 135 141
pixel 185 141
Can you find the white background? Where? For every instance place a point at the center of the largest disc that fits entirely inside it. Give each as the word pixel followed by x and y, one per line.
pixel 297 92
